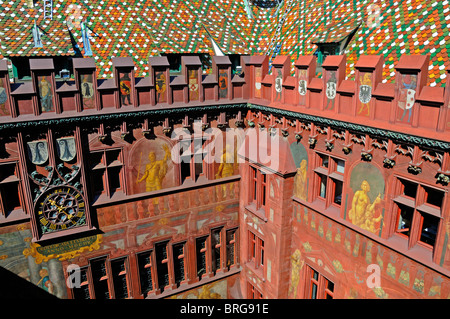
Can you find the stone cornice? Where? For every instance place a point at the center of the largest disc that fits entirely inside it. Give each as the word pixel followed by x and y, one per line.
pixel 178 111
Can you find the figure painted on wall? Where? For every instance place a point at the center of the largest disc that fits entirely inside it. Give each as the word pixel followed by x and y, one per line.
pixel 362 213
pixel 45 282
pixel 300 156
pixel 155 170
pixel 330 90
pixel 297 264
pixel 228 162
pixel 366 209
pixel 193 85
pixel 258 80
pixel 3 98
pixel 125 88
pixel 45 94
pixel 223 84
pixel 302 85
pixel 300 181
pixel 407 94
pixel 365 92
pixel 160 79
pixel 87 91
pixel 278 85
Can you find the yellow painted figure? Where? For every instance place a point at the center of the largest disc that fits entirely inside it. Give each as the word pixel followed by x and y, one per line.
pixel 300 181
pixel 362 211
pixel 155 171
pixel 297 264
pixel 226 167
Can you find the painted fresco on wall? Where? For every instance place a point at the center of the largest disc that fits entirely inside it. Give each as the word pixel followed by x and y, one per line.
pixel 45 93
pixel 125 88
pixel 365 93
pixel 330 90
pixel 41 265
pixel 223 84
pixel 193 85
pixel 406 96
pixel 215 290
pixel 3 97
pixel 151 166
pixel 396 271
pixel 365 198
pixel 258 81
pixel 87 91
pixel 160 79
pixel 302 85
pixel 301 162
pixel 278 84
pixel 297 263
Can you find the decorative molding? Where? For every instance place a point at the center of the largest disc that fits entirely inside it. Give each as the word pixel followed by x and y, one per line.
pixel 168 112
pixel 361 129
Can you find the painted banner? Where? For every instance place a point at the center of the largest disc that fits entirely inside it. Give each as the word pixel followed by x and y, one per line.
pixel 223 84
pixel 193 85
pixel 45 94
pixel 87 91
pixel 125 88
pixel 3 98
pixel 160 79
pixel 258 80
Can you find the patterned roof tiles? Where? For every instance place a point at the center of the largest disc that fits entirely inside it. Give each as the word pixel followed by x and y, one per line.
pixel 150 27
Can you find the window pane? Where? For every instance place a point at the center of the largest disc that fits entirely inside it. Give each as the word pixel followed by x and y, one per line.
pixel 405 220
pixel 262 253
pixel 230 247
pixel 198 164
pixel 337 192
pixel 409 189
pixel 100 279
pixel 315 275
pixel 324 160
pixel 119 279
pixel 323 186
pixel 340 166
pixel 201 256
pixel 83 291
pixel 314 291
pixel 264 190
pixel 434 197
pixel 330 286
pixel 429 229
pixel 178 262
pixel 185 168
pixel 161 265
pixel 215 244
pixel 114 178
pixel 113 157
pixel 145 273
pixel 10 197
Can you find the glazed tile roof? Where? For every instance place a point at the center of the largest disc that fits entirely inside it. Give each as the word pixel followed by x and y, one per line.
pixel 140 28
pixel 388 28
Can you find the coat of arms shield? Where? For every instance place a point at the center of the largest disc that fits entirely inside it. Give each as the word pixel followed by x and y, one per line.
pixel 331 90
pixel 66 148
pixel 38 152
pixel 365 93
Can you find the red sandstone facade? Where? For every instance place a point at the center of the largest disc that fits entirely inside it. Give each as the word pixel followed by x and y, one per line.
pixel 360 180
